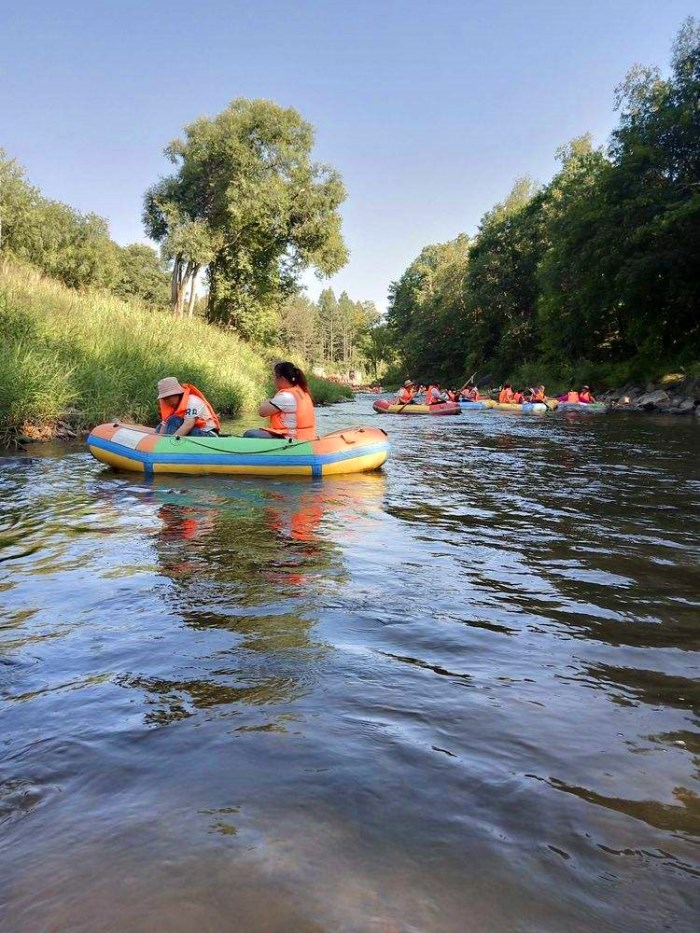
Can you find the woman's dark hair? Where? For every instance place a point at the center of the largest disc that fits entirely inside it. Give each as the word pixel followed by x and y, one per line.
pixel 292 374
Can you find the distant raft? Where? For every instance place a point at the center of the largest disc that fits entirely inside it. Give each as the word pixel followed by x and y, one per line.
pixel 396 408
pixel 523 408
pixel 481 405
pixel 584 408
pixel 134 447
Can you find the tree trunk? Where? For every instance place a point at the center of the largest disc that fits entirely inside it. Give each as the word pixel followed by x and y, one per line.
pixel 193 279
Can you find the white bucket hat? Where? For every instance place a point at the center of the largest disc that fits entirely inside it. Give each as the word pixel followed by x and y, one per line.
pixel 169 386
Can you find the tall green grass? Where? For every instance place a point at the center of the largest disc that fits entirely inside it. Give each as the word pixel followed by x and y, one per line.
pixel 93 357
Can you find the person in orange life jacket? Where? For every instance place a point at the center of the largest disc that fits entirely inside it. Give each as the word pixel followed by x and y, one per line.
pixel 585 396
pixel 505 396
pixel 406 393
pixel 291 408
pixel 518 397
pixel 572 396
pixel 537 394
pixel 469 392
pixel 184 410
pixel 432 396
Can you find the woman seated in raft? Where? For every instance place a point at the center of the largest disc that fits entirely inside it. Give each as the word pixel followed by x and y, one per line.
pixel 469 392
pixel 406 393
pixel 585 396
pixel 537 394
pixel 505 396
pixel 433 395
pixel 291 408
pixel 185 411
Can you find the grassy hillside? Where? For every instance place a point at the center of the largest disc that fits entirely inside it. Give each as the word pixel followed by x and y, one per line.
pixel 89 357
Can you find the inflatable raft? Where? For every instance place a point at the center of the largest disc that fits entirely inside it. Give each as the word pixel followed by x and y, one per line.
pixel 395 408
pixel 475 406
pixel 586 408
pixel 526 408
pixel 134 447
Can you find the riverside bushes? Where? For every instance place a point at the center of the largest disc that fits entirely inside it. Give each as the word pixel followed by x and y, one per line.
pixel 90 357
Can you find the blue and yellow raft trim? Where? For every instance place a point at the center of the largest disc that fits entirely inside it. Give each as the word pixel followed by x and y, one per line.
pixel 139 449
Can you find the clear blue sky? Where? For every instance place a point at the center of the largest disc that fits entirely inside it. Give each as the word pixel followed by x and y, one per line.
pixel 429 110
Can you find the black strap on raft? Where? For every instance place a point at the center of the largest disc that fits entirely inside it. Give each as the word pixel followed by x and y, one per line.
pixel 290 445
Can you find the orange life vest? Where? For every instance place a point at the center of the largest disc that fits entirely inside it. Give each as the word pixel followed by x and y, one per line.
pixel 537 396
pixel 505 396
pixel 473 395
pixel 167 411
pixel 405 396
pixel 573 397
pixel 518 398
pixel 306 418
pixel 585 397
pixel 432 396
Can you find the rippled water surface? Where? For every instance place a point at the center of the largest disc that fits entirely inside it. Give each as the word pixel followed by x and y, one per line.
pixel 456 695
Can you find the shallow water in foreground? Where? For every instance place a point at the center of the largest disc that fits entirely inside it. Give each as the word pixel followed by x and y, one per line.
pixel 457 695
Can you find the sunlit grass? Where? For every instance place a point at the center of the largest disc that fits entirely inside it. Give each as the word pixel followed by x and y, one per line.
pixel 92 357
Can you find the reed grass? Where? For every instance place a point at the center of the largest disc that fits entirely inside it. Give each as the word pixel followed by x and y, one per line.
pixel 88 357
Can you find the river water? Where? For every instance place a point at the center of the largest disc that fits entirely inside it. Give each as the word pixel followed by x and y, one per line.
pixel 457 695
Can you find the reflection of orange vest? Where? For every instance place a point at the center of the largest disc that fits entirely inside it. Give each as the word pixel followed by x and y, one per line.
pixel 166 411
pixel 505 396
pixel 573 397
pixel 306 418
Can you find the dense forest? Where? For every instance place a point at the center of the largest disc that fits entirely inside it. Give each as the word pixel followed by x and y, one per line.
pixel 595 275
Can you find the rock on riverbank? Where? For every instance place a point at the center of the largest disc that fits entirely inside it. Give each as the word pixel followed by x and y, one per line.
pixel 673 395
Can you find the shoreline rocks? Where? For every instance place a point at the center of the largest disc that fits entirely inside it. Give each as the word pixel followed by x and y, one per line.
pixel 671 395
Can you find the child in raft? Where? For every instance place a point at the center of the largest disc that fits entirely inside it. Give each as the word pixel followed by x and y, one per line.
pixel 518 397
pixel 185 411
pixel 290 410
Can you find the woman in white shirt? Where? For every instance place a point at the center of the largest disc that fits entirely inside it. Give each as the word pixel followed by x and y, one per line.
pixel 291 408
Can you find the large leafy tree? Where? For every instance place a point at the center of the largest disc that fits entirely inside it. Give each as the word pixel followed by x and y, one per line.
pixel 247 202
pixel 426 314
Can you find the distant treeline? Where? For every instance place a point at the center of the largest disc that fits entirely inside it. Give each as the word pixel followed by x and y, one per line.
pixel 335 333
pixel 73 247
pixel 596 274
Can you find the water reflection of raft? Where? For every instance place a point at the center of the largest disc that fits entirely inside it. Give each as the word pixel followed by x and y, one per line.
pixel 395 408
pixel 134 447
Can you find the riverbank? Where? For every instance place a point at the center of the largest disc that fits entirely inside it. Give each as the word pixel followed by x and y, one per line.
pixel 72 359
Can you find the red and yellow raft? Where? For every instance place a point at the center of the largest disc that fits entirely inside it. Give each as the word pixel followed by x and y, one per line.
pixel 397 408
pixel 134 447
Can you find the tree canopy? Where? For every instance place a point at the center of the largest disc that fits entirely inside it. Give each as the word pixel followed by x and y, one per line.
pixel 597 267
pixel 248 203
pixel 73 247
